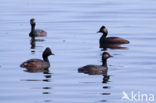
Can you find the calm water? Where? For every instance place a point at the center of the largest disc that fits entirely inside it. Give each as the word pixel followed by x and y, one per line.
pixel 72 27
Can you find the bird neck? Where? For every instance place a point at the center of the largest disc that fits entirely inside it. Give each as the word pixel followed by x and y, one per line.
pixel 32 28
pixel 104 62
pixel 102 40
pixel 104 34
pixel 45 58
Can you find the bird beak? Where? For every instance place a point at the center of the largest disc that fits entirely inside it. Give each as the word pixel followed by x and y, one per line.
pixel 98 32
pixel 111 56
pixel 52 54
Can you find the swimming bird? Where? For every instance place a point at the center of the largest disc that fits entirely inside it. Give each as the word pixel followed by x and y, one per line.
pixel 111 42
pixel 36 32
pixel 37 64
pixel 96 69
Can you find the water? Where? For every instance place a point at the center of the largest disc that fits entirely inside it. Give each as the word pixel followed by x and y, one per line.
pixel 72 27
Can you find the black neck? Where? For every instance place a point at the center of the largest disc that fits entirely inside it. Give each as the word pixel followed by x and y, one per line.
pixel 104 62
pixel 104 34
pixel 32 28
pixel 102 40
pixel 45 58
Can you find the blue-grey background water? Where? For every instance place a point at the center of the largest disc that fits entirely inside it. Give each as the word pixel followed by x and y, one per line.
pixel 72 27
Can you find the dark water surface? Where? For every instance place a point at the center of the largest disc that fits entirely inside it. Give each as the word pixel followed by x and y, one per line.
pixel 72 27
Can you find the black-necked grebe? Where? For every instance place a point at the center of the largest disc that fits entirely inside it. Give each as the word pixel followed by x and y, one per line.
pixel 104 41
pixel 96 69
pixel 38 63
pixel 36 32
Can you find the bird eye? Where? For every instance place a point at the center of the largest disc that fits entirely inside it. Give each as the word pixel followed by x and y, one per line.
pixel 107 55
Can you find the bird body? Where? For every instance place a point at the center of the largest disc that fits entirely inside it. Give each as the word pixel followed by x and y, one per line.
pixel 35 63
pixel 40 33
pixel 92 69
pixel 32 64
pixel 114 40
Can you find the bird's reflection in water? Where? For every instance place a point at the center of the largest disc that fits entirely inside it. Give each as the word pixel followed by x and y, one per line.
pixel 47 89
pixel 47 101
pixel 47 78
pixel 33 43
pixel 112 46
pixel 105 77
pixel 105 87
pixel 35 70
pixel 45 71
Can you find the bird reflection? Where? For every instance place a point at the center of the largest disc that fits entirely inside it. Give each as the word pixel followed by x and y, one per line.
pixel 47 101
pixel 45 71
pixel 47 78
pixel 112 46
pixel 106 77
pixel 35 70
pixel 105 81
pixel 33 43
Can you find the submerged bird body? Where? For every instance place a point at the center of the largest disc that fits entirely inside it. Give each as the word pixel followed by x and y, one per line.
pixel 38 63
pixel 36 32
pixel 96 69
pixel 105 41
